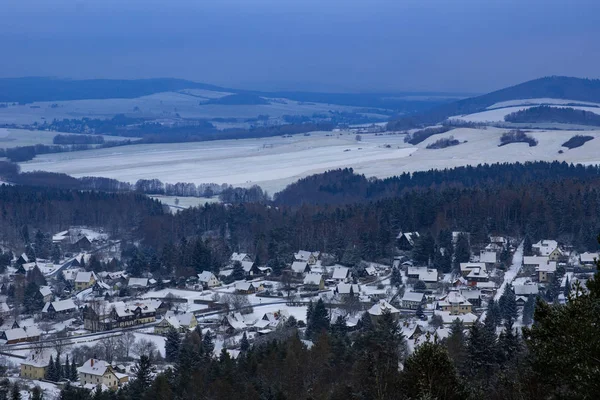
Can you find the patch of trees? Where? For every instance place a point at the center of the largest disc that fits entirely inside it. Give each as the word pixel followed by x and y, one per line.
pixel 26 153
pixel 560 115
pixel 78 139
pixel 443 143
pixel 239 99
pixel 253 194
pixel 577 141
pixel 419 136
pixel 344 186
pixel 517 136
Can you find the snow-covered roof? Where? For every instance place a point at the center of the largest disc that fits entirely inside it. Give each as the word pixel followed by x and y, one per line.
pixel 299 267
pixel 303 255
pixel 477 273
pixel 588 257
pixel 45 291
pixel 70 274
pixel 206 276
pixel 525 290
pixel 179 320
pixel 453 298
pixel 247 265
pixel 340 273
pixel 344 288
pixel 381 306
pixel 425 274
pixel 60 305
pixel 22 333
pixel 29 266
pixel 39 357
pixel 486 285
pixel 535 260
pixel 467 266
pixel 498 239
pixel 236 321
pixel 137 282
pixel 313 279
pixel 471 294
pixel 238 256
pixel 467 319
pixel 122 309
pixel 85 277
pixel 488 257
pixel 409 236
pixel 25 258
pixel 412 296
pixel 245 286
pixel 60 236
pixel 545 247
pixel 371 270
pixel 550 267
pixel 94 367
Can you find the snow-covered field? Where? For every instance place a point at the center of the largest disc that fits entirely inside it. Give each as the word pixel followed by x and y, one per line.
pixel 284 160
pixel 22 137
pixel 498 114
pixel 539 101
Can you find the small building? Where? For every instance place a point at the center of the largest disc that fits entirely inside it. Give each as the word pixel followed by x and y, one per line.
pixel 412 300
pixel 245 288
pixel 98 372
pixel 85 280
pixel 448 318
pixel 23 269
pixel 241 257
pixel 36 363
pixel 545 248
pixel 310 257
pixel 51 309
pixel 382 306
pixel 137 283
pixel 427 275
pixel 180 322
pixel 455 303
pixel 526 290
pixel 473 296
pixel 46 292
pixel 477 275
pixel 23 259
pixel 250 268
pixel 314 281
pixel 406 240
pixel 588 259
pixel 467 267
pixel 208 279
pixel 489 258
pixel 347 289
pixel 300 268
pixel 340 274
pixel 546 272
pixel 19 335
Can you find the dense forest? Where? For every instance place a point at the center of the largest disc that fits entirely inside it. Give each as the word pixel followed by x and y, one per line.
pixel 554 87
pixel 577 141
pixel 559 115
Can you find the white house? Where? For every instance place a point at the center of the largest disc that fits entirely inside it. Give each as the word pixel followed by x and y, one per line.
pixel 412 300
pixel 208 279
pixel 340 274
pixel 137 283
pixel 300 267
pixel 588 259
pixel 98 372
pixel 241 257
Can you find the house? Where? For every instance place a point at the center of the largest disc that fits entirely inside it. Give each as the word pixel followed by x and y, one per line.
pixel 98 372
pixel 23 269
pixel 245 288
pixel 314 281
pixel 382 306
pixel 124 315
pixel 59 307
pixel 137 283
pixel 427 275
pixel 274 319
pixel 489 258
pixel 467 267
pixel 588 259
pixel 83 243
pixel 521 300
pixel 23 259
pixel 459 282
pixel 250 268
pixel 473 296
pixel 526 290
pixel 36 363
pixel 545 272
pixel 180 322
pixel 477 275
pixel 100 288
pixel 46 293
pixel 448 318
pixel 412 300
pixel 406 240
pixel 70 274
pixel 544 247
pixel 309 257
pixel 300 268
pixel 208 279
pixel 455 303
pixel 347 289
pixel 371 271
pixel 241 257
pixel 340 274
pixel 4 309
pixel 19 335
pixel 233 322
pixel 499 240
pixel 84 280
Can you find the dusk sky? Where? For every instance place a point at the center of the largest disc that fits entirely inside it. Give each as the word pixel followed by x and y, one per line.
pixel 324 45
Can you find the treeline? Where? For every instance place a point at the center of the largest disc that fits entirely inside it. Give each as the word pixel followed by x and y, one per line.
pixel 53 210
pixel 443 143
pixel 26 153
pixel 577 141
pixel 517 136
pixel 344 186
pixel 548 114
pixel 423 134
pixel 78 139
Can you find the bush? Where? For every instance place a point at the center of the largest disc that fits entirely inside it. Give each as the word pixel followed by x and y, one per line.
pixel 419 136
pixel 443 143
pixel 517 136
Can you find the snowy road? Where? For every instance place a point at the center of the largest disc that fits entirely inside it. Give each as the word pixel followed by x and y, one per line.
pixel 513 271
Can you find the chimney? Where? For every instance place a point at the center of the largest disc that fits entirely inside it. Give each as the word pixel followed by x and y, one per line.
pixel 92 362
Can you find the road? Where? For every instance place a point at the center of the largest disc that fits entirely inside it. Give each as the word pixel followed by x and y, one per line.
pixel 512 272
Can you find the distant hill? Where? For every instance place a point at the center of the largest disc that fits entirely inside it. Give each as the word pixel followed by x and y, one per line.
pixel 240 99
pixel 556 87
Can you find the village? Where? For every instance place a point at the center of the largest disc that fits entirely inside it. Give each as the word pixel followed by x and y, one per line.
pixel 64 322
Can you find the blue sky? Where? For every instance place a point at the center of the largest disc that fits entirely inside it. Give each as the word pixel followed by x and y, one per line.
pixel 326 45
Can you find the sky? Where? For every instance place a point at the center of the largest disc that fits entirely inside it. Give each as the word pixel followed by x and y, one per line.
pixel 470 46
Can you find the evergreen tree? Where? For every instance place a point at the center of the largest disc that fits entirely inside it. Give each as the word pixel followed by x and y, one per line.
pixel 509 343
pixel 56 253
pixel 51 371
pixel 15 394
pixel 456 344
pixel 208 344
pixel 73 374
pixel 143 370
pixel 567 287
pixel 67 369
pixel 36 393
pixel 33 301
pixel 527 246
pixel 493 317
pixel 172 344
pixel 30 252
pixel 462 251
pixel 424 249
pixel 528 311
pixel 420 286
pixel 430 374
pixel 244 344
pixel 58 370
pixel 481 353
pixel 508 303
pixel 396 278
pixel 238 273
pixel 319 320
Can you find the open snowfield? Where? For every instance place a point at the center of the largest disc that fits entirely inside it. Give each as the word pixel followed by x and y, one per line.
pixel 247 162
pixel 22 137
pixel 540 101
pixel 498 114
pixel 159 105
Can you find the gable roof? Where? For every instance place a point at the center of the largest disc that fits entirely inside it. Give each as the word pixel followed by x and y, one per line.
pixel 425 274
pixel 525 290
pixel 137 282
pixel 238 257
pixel 412 296
pixel 409 236
pixel 379 307
pixel 299 266
pixel 247 266
pixel 313 279
pixel 99 367
pixel 60 305
pixel 206 276
pixel 85 277
pixel 344 288
pixel 588 257
pixel 340 272
pixel 303 255
pixel 245 286
pixel 545 247
pixel 45 291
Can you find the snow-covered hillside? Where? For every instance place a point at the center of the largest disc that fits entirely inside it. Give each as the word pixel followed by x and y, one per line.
pixel 497 114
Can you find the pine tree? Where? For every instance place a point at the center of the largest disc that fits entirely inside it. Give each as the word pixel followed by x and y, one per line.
pixel 396 278
pixel 15 394
pixel 528 311
pixel 172 344
pixel 509 343
pixel 424 249
pixel 319 320
pixel 73 374
pixel 143 370
pixel 51 371
pixel 481 353
pixel 493 317
pixel 527 246
pixel 208 344
pixel 67 368
pixel 456 344
pixel 244 344
pixel 36 393
pixel 58 370
pixel 238 273
pixel 567 287
pixel 462 251
pixel 508 303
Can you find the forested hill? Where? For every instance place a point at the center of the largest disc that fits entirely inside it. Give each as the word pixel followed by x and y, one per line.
pixel 343 186
pixel 556 87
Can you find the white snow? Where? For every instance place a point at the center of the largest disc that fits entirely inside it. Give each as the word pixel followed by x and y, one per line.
pixel 512 272
pixel 539 101
pixel 498 114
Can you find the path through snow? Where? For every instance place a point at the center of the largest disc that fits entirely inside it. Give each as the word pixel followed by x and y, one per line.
pixel 513 271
